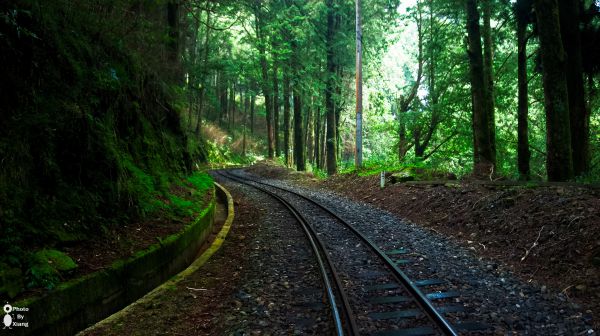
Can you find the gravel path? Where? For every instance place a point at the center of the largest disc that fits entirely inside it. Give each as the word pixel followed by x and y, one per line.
pixel 496 298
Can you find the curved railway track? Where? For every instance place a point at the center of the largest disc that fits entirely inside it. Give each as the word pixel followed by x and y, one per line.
pixel 345 320
pixel 345 323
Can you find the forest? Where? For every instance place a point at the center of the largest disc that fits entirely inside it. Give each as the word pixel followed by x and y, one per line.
pixel 470 87
pixel 111 110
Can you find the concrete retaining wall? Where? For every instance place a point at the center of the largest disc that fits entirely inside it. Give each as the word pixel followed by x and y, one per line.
pixel 76 304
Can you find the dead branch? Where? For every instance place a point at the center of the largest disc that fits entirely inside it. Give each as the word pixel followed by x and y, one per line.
pixel 535 243
pixel 196 289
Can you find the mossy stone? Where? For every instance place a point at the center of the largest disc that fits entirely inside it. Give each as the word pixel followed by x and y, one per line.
pixel 56 259
pixel 402 177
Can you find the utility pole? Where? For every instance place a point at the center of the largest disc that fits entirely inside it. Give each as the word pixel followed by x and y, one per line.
pixel 358 151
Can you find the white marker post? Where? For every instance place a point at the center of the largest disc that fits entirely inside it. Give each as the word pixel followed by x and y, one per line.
pixel 382 179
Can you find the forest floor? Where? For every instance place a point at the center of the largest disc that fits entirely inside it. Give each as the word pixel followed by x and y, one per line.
pixel 544 235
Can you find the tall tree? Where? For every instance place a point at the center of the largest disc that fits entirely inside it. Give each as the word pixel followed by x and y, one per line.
pixel 286 116
pixel 299 144
pixel 317 131
pixel 523 12
pixel 406 101
pixel 193 51
pixel 246 100
pixel 331 135
pixel 204 71
pixel 358 151
pixel 308 127
pixel 232 105
pixel 483 151
pixel 261 40
pixel 275 98
pixel 578 113
pixel 559 161
pixel 252 107
pixel 173 17
pixel 488 73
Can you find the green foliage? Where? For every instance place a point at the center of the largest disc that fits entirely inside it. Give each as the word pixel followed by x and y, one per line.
pixel 374 166
pixel 56 259
pixel 228 153
pixel 197 184
pixel 419 170
pixel 90 135
pixel 317 172
pixel 45 268
pixel 218 154
pixel 142 187
pixel 181 207
pixel 202 182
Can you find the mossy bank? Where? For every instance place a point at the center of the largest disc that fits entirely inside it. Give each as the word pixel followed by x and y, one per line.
pixel 90 134
pixel 76 304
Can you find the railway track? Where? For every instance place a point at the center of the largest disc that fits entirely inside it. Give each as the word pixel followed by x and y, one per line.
pixel 370 281
pixel 345 323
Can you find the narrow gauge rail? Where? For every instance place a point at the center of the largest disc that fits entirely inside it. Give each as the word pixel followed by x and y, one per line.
pixel 441 324
pixel 347 323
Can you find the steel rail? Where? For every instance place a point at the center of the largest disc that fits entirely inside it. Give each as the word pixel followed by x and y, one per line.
pixel 420 298
pixel 318 249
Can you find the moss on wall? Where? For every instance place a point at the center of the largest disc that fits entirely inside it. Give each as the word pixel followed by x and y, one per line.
pixel 76 304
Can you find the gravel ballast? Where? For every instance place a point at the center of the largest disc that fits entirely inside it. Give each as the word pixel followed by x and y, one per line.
pixel 495 297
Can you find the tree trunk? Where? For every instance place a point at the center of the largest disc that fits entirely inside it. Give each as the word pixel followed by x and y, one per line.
pixel 173 16
pixel 299 149
pixel 252 104
pixel 276 102
pixel 405 102
pixel 265 79
pixel 331 136
pixel 286 117
pixel 308 131
pixel 483 156
pixel 559 162
pixel 523 105
pixel 579 114
pixel 403 143
pixel 338 107
pixel 192 74
pixel 246 101
pixel 224 102
pixel 203 73
pixel 220 90
pixel 317 144
pixel 591 90
pixel 323 142
pixel 233 107
pixel 419 151
pixel 488 73
pixel 359 107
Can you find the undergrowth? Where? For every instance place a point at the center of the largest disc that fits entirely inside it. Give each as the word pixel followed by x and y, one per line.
pixel 419 169
pixel 90 133
pixel 231 149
